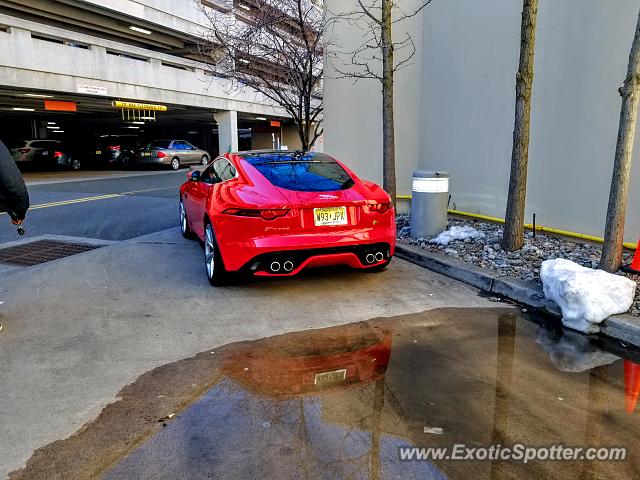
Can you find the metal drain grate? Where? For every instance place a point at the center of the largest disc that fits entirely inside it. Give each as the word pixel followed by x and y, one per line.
pixel 41 251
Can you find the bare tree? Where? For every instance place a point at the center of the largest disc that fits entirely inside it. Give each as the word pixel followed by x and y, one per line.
pixel 275 47
pixel 614 230
pixel 514 217
pixel 376 57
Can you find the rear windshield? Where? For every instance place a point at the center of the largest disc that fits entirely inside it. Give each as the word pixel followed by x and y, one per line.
pixel 311 172
pixel 159 144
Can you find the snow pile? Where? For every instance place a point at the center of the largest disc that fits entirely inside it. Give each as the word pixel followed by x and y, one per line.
pixel 585 296
pixel 572 351
pixel 456 233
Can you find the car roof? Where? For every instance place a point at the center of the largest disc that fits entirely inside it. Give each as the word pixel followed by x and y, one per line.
pixel 284 155
pixel 268 151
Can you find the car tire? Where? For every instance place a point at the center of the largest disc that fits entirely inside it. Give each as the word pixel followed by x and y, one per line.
pixel 204 161
pixel 75 164
pixel 184 223
pixel 214 267
pixel 175 163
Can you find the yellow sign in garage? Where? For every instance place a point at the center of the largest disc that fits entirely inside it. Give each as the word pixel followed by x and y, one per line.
pixel 139 106
pixel 138 111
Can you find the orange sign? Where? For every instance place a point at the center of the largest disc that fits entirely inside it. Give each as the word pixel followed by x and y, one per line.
pixel 275 123
pixel 60 106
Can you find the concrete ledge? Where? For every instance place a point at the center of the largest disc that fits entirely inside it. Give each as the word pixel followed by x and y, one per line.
pixel 625 328
pixel 446 266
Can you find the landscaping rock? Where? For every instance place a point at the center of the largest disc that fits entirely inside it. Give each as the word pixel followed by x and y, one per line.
pixel 486 251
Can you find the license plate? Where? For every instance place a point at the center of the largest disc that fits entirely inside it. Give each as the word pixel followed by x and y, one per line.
pixel 98 152
pixel 330 216
pixel 329 378
pixel 146 154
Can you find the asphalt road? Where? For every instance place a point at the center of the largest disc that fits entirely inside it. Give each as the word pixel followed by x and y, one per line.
pixel 108 209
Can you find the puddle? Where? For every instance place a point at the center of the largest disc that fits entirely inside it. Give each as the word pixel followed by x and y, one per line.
pixel 341 402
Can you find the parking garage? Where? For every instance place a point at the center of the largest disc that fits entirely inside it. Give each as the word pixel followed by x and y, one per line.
pixel 86 124
pixel 61 74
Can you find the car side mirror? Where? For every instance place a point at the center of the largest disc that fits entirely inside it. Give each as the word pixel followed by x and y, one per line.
pixel 194 176
pixel 194 148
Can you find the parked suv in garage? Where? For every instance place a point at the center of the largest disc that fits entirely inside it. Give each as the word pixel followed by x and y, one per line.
pixel 174 153
pixel 43 154
pixel 116 150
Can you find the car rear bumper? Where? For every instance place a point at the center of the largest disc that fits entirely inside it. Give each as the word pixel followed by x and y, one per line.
pixel 287 263
pixel 357 249
pixel 154 160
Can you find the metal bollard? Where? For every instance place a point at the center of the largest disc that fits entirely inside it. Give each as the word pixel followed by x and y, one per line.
pixel 430 198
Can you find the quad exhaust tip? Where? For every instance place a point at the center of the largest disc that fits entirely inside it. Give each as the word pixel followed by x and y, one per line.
pixel 275 266
pixel 379 257
pixel 288 266
pixel 370 258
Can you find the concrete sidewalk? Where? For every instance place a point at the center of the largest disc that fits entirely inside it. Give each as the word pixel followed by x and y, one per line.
pixel 78 329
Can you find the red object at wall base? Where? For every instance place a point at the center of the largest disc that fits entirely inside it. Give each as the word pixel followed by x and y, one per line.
pixel 635 264
pixel 631 385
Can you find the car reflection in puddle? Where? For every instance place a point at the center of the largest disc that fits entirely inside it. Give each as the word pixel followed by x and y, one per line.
pixel 295 406
pixel 340 402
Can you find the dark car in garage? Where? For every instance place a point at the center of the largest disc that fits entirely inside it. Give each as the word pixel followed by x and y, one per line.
pixel 116 150
pixel 43 154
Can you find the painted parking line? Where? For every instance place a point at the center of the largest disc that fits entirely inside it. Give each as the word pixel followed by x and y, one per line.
pixel 63 203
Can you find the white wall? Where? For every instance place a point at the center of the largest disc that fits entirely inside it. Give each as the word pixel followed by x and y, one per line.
pixel 353 113
pixel 462 92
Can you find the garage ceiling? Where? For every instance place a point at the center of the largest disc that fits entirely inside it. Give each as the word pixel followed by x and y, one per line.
pixel 93 20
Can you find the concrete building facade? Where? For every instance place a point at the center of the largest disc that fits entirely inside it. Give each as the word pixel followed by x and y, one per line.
pixel 92 52
pixel 455 107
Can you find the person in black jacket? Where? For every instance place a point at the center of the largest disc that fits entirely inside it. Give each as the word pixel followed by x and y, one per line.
pixel 14 198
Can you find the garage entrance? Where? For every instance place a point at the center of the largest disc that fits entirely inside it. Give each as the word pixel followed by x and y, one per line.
pixel 89 127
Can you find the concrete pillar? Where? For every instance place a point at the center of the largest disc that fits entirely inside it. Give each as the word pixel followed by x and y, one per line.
pixel 227 131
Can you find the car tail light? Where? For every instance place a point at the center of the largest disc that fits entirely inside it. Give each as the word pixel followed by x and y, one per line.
pixel 272 214
pixel 58 155
pixel 24 150
pixel 161 155
pixel 381 207
pixel 269 214
pixel 113 147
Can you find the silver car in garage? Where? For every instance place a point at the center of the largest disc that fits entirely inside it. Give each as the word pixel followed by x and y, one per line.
pixel 174 153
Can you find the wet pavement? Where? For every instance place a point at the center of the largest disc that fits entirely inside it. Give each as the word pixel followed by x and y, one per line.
pixel 340 402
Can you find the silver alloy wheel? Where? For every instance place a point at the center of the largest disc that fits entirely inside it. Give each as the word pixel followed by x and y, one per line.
pixel 183 219
pixel 209 251
pixel 75 164
pixel 204 161
pixel 175 164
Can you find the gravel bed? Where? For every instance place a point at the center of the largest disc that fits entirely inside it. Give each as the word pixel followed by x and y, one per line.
pixel 486 252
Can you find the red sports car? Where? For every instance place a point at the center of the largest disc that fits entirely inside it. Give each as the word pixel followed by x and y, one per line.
pixel 273 213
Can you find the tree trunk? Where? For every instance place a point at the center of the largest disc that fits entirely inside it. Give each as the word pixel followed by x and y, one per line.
pixel 388 129
pixel 614 230
pixel 514 217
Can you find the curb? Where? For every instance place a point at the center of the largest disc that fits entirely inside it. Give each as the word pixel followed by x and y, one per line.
pixel 625 327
